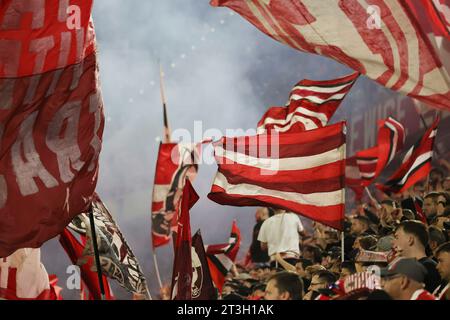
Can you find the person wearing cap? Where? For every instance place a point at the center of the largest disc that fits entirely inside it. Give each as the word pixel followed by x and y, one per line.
pixel 410 241
pixel 404 280
pixel 443 257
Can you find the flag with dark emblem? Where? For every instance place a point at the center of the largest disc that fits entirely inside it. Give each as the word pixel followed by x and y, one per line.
pixel 176 162
pixel 380 39
pixel 202 284
pixel 182 265
pixel 416 164
pixel 311 105
pixel 116 258
pixel 51 118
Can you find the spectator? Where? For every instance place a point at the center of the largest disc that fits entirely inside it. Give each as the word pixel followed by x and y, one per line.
pixel 312 253
pixel 404 280
pixel 281 234
pixel 410 241
pixel 361 226
pixel 436 237
pixel 347 268
pixel 257 254
pixel 430 204
pixel 443 258
pixel 320 280
pixel 284 286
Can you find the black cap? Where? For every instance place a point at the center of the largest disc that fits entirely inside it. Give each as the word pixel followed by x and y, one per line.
pixel 408 267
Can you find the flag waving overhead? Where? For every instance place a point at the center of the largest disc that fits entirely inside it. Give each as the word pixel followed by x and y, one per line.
pixel 51 119
pixel 437 13
pixel 353 178
pixel 380 39
pixel 371 162
pixel 221 257
pixel 299 172
pixel 416 164
pixel 117 260
pixel 311 105
pixel 182 265
pixel 175 163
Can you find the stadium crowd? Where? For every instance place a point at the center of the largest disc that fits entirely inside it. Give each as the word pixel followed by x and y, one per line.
pixel 397 249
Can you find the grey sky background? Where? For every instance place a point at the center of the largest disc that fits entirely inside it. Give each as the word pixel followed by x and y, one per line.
pixel 220 70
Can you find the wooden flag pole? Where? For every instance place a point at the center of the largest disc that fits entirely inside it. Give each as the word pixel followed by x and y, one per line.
pixel 164 103
pixel 158 276
pixel 342 246
pixel 96 254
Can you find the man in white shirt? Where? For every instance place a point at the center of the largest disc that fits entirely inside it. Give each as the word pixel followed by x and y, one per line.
pixel 281 234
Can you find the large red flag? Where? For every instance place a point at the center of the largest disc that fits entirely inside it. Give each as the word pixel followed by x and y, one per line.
pixel 311 105
pixel 51 118
pixel 436 15
pixel 182 266
pixel 416 164
pixel 300 172
pixel 74 250
pixel 381 39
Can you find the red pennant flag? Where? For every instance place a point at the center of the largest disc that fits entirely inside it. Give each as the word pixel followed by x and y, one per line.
pixel 51 119
pixel 222 256
pixel 416 164
pixel 176 162
pixel 380 39
pixel 300 172
pixel 311 105
pixel 182 266
pixel 202 284
pixel 371 162
pixel 74 250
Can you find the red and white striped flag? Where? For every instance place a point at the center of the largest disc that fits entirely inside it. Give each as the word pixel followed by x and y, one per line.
pixel 371 162
pixel 416 164
pixel 299 172
pixel 353 178
pixel 381 39
pixel 311 105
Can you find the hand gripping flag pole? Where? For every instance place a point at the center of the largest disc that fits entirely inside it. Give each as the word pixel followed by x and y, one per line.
pixel 96 254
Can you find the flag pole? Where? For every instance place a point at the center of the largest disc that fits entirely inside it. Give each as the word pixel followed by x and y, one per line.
pixel 342 246
pixel 372 198
pixel 164 103
pixel 158 276
pixel 96 254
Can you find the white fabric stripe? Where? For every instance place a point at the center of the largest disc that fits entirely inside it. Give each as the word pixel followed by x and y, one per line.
pixel 316 99
pixel 316 199
pixel 296 163
pixel 420 160
pixel 359 162
pixel 300 110
pixel 226 262
pixel 308 123
pixel 367 175
pixel 160 192
pixel 433 133
pixel 323 89
pixel 394 140
pixel 408 154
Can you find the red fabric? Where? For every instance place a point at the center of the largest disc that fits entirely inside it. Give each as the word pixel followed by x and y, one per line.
pixel 423 295
pixel 202 284
pixel 52 120
pixel 419 212
pixel 277 171
pixel 416 164
pixel 431 15
pixel 182 266
pixel 374 43
pixel 74 250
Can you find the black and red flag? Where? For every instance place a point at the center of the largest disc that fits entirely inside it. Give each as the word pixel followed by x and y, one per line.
pixel 182 265
pixel 380 39
pixel 300 172
pixel 176 163
pixel 311 105
pixel 221 257
pixel 371 162
pixel 202 284
pixel 51 118
pixel 74 250
pixel 416 164
pixel 434 15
